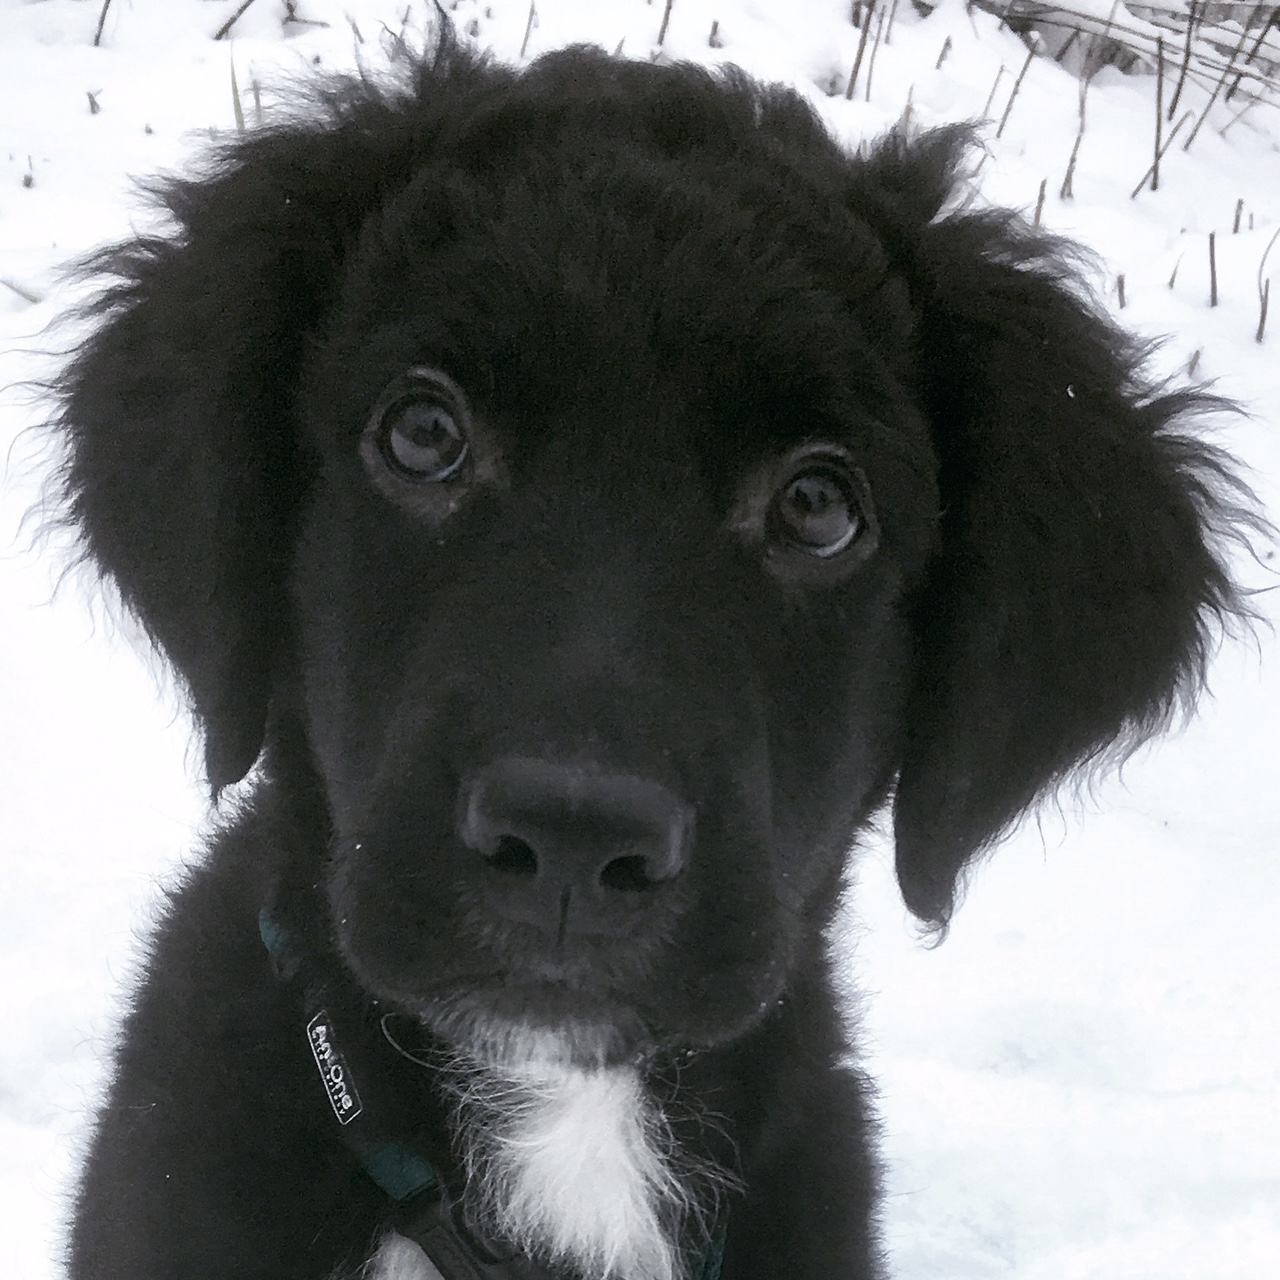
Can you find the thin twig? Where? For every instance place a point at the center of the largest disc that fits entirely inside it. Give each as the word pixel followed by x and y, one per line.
pixel 666 18
pixel 1071 39
pixel 1217 89
pixel 875 48
pixel 942 57
pixel 1120 289
pixel 1155 163
pixel 231 21
pixel 1044 182
pixel 102 21
pixel 1168 142
pixel 1186 59
pixel 1262 312
pixel 1253 53
pixel 991 97
pixel 1017 84
pixel 1262 262
pixel 1213 271
pixel 904 120
pixel 236 109
pixel 888 26
pixel 1067 190
pixel 1235 222
pixel 25 294
pixel 528 27
pixel 1239 115
pixel 862 47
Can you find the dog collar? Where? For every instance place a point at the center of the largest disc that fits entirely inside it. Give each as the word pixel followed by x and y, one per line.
pixel 425 1211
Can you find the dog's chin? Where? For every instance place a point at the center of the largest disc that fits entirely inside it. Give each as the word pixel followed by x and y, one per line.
pixel 519 1036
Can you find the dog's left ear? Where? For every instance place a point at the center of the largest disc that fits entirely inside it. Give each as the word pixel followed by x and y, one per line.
pixel 1072 602
pixel 182 473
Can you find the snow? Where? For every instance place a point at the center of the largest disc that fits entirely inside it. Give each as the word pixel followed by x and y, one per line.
pixel 1084 1081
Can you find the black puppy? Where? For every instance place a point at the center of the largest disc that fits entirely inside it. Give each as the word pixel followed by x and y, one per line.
pixel 583 498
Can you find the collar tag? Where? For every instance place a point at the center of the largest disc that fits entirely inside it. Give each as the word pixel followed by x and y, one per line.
pixel 334 1073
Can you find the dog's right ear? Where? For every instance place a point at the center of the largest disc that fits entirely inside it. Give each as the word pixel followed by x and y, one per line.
pixel 1080 580
pixel 182 473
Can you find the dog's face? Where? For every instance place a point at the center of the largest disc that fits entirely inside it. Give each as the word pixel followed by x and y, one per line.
pixel 600 597
pixel 619 490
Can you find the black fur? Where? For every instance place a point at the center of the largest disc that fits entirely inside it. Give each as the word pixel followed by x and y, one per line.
pixel 664 294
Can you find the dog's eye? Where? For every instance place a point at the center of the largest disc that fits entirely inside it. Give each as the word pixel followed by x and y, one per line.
pixel 816 510
pixel 421 428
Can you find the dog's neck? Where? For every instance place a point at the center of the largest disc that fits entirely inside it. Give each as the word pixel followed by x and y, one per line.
pixel 571 1165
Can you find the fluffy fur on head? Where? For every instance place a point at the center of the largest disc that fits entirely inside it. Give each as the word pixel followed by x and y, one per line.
pixel 590 497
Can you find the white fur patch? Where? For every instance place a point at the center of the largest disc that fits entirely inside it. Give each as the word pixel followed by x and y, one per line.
pixel 399 1259
pixel 571 1164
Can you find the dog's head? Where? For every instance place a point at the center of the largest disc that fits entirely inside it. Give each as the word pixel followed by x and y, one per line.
pixel 620 492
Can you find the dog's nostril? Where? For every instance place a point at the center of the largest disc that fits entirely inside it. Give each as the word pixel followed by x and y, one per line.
pixel 549 829
pixel 630 874
pixel 513 857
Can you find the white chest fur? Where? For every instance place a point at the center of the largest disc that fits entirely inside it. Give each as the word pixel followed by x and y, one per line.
pixel 567 1164
pixel 572 1165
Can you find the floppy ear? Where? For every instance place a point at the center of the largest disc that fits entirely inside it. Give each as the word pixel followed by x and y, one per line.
pixel 1071 604
pixel 182 470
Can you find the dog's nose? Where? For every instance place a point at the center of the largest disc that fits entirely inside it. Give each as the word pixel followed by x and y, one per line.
pixel 559 833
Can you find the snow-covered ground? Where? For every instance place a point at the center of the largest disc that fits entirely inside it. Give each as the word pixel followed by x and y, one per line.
pixel 1085 1080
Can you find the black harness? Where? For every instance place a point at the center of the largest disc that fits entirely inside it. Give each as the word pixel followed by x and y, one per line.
pixel 426 1209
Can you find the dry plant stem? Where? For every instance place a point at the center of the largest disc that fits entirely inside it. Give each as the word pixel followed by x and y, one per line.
pixel 528 27
pixel 991 97
pixel 24 294
pixel 1017 84
pixel 1253 53
pixel 1239 115
pixel 888 26
pixel 875 48
pixel 236 109
pixel 1266 253
pixel 1235 222
pixel 666 18
pixel 1194 363
pixel 942 57
pixel 102 20
pixel 1217 89
pixel 1067 190
pixel 226 26
pixel 1186 59
pixel 1155 163
pixel 1066 48
pixel 1168 142
pixel 1213 271
pixel 862 48
pixel 713 40
pixel 1044 182
pixel 1262 312
pixel 1120 289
